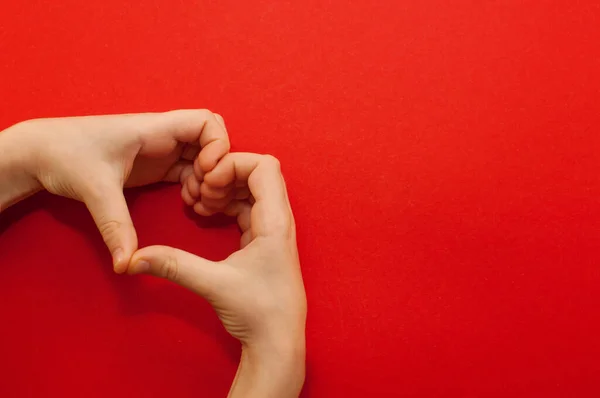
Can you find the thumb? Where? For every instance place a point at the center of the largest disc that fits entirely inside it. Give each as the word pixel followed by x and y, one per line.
pixel 111 215
pixel 183 268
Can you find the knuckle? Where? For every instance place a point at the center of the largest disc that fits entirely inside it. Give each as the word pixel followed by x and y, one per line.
pixel 204 114
pixel 272 161
pixel 177 112
pixel 109 228
pixel 169 269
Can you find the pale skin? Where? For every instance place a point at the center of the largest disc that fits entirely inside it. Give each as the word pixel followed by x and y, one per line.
pixel 257 292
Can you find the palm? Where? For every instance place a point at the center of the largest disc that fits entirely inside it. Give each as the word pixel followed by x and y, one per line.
pixel 253 272
pixel 231 310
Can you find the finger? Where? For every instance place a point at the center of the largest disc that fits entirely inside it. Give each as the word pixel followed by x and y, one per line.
pixel 214 142
pixel 207 191
pixel 246 239
pixel 186 191
pixel 241 210
pixel 186 172
pixel 193 186
pixel 220 120
pixel 271 213
pixel 218 204
pixel 202 210
pixel 198 171
pixel 161 131
pixel 111 215
pixel 179 171
pixel 185 195
pixel 183 268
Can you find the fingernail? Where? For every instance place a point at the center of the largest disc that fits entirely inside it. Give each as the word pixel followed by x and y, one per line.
pixel 141 267
pixel 117 259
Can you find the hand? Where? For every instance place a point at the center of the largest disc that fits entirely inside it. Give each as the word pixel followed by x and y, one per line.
pixel 258 291
pixel 93 158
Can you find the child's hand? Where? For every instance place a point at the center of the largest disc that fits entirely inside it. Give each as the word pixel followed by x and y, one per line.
pixel 258 291
pixel 92 158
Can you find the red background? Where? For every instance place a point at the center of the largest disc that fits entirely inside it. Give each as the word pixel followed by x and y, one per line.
pixel 442 162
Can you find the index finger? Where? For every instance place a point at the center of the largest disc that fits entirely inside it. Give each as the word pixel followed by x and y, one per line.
pixel 190 126
pixel 271 212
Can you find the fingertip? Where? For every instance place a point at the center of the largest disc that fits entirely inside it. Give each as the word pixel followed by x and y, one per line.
pixel 198 171
pixel 120 268
pixel 185 195
pixel 109 210
pixel 187 171
pixel 212 192
pixel 120 261
pixel 139 267
pixel 202 210
pixel 221 175
pixel 193 186
pixel 211 154
pixel 218 204
pixel 141 261
pixel 138 255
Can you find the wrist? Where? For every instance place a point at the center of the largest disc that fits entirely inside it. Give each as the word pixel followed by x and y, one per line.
pixel 17 180
pixel 276 369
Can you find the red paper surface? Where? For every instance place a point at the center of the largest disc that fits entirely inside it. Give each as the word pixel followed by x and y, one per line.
pixel 442 162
